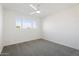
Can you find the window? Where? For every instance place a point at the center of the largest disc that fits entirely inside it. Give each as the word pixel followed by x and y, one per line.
pixel 18 24
pixel 25 24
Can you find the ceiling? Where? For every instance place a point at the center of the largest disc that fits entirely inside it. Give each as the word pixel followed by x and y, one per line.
pixel 45 8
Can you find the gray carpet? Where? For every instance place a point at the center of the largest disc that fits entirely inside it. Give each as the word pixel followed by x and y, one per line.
pixel 38 47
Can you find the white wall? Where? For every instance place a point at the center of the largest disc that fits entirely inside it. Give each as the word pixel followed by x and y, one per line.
pixel 1 26
pixel 63 27
pixel 11 36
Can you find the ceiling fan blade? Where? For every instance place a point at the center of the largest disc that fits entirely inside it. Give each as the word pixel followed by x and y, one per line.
pixel 33 7
pixel 32 13
pixel 38 12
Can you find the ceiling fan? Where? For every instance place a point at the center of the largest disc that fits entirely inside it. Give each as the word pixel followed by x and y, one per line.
pixel 37 11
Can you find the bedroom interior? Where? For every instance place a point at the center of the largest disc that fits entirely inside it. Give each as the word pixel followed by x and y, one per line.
pixel 39 29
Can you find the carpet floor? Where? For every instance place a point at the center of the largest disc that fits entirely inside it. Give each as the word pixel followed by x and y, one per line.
pixel 38 47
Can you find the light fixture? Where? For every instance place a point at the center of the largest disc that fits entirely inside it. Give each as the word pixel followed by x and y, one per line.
pixel 34 8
